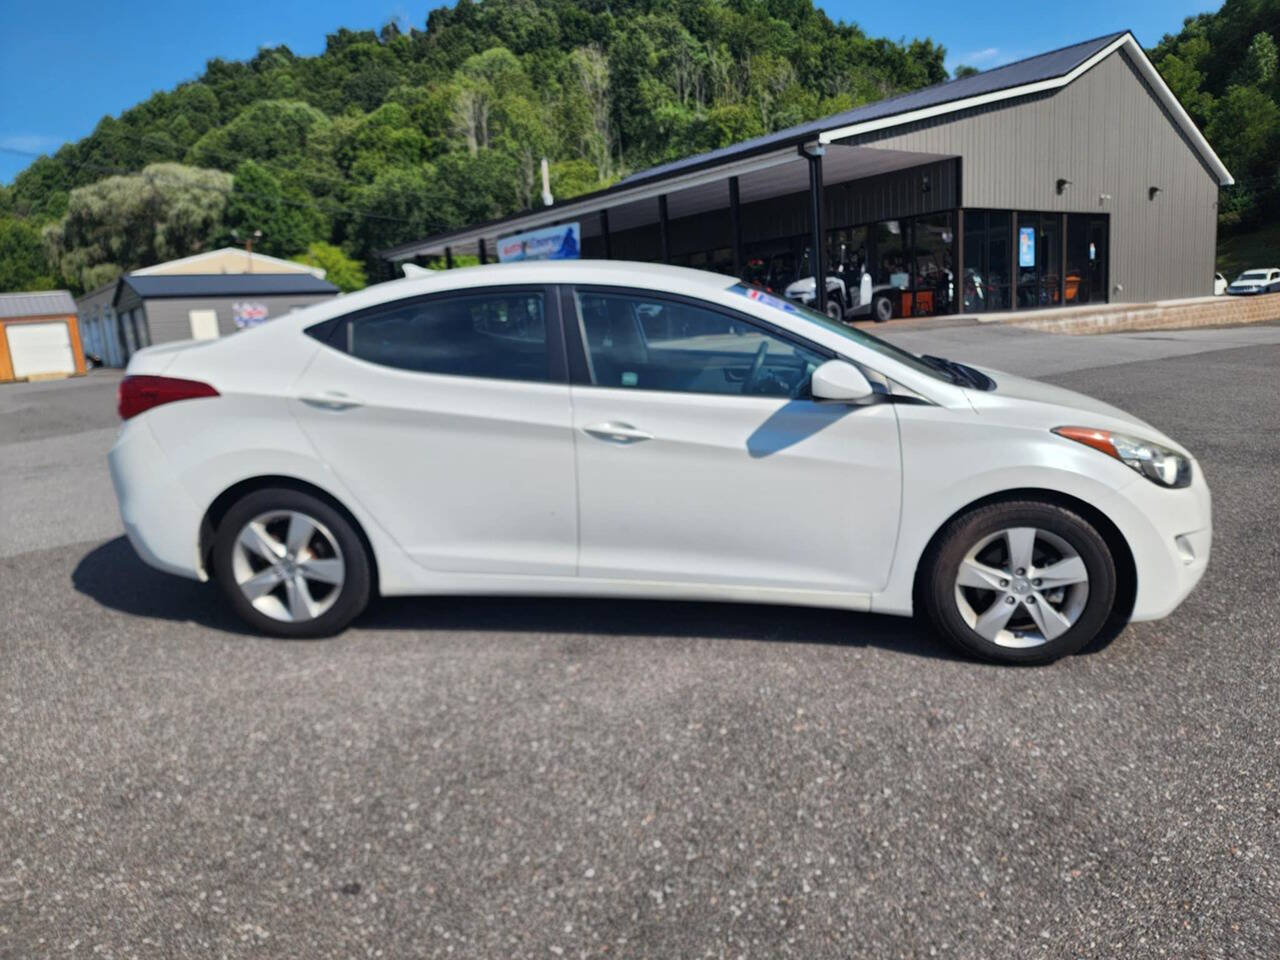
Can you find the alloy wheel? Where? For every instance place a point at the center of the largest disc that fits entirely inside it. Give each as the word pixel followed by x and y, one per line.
pixel 1021 587
pixel 288 565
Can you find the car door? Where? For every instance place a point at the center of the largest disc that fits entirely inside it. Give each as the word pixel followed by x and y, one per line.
pixel 448 418
pixel 702 459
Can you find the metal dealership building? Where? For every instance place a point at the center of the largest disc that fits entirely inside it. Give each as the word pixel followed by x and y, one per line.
pixel 1071 177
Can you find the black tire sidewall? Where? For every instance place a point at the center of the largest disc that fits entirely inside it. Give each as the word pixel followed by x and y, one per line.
pixel 875 310
pixel 963 532
pixel 353 596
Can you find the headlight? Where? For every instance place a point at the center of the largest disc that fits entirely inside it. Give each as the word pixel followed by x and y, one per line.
pixel 1160 465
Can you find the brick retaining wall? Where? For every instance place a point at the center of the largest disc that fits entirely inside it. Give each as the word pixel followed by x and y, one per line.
pixel 1163 315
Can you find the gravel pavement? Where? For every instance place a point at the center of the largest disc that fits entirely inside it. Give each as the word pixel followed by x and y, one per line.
pixel 572 778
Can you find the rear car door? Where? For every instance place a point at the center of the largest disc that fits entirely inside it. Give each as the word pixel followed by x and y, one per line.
pixel 448 418
pixel 701 457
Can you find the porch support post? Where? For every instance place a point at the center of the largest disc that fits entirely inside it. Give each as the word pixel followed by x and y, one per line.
pixel 448 258
pixel 664 228
pixel 813 153
pixel 735 226
pixel 604 234
pixel 484 253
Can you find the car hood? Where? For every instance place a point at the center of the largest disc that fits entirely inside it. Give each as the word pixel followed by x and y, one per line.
pixel 1033 403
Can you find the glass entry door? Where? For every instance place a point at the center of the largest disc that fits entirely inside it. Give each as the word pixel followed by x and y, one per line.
pixel 1086 277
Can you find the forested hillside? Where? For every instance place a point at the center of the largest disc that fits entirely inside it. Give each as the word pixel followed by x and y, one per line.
pixel 1223 67
pixel 393 135
pixel 390 136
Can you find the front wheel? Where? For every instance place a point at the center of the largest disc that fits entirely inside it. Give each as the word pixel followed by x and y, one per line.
pixel 1019 582
pixel 881 309
pixel 834 310
pixel 290 564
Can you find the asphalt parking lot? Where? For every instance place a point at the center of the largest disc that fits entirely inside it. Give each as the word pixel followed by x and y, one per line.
pixel 543 778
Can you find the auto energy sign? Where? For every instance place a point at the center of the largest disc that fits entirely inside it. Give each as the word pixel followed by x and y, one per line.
pixel 562 242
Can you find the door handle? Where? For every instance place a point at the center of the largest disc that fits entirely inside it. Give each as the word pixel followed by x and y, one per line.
pixel 332 400
pixel 616 432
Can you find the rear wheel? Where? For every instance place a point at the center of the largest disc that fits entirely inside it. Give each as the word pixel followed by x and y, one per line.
pixel 290 564
pixel 834 310
pixel 1020 582
pixel 881 309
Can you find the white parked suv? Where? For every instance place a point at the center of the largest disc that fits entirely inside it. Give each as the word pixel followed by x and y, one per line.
pixel 625 429
pixel 1256 281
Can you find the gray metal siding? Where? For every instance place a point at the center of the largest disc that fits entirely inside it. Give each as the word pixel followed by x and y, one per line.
pixel 1108 134
pixel 170 320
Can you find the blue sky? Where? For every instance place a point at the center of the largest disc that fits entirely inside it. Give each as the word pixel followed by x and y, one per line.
pixel 63 68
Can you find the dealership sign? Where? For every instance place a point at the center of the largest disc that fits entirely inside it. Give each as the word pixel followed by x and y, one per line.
pixel 550 243
pixel 248 314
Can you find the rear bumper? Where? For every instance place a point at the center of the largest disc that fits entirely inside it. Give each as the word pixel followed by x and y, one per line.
pixel 160 518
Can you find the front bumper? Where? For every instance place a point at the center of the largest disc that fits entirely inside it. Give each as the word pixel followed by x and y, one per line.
pixel 1170 533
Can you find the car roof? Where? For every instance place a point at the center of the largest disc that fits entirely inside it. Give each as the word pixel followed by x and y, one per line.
pixel 618 273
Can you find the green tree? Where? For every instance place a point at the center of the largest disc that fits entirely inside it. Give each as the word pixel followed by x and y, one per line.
pixel 1259 68
pixel 343 272
pixel 286 217
pixel 1246 128
pixel 23 265
pixel 125 222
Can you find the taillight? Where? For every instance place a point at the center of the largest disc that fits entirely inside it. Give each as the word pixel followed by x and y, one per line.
pixel 138 394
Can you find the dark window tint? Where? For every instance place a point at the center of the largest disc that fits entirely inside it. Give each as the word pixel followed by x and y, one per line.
pixel 650 343
pixel 498 335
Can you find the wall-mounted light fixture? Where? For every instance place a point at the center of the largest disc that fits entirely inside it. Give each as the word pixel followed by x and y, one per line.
pixel 1103 198
pixel 1063 183
pixel 925 186
pixel 1151 192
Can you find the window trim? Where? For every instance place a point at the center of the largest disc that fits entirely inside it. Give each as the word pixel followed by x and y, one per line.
pixel 579 358
pixel 332 332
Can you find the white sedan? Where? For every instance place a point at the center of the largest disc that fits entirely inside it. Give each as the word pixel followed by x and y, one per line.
pixel 626 429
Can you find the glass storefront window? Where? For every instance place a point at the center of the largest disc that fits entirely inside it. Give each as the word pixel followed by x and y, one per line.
pixel 986 260
pixel 934 278
pixel 999 259
pixel 1039 260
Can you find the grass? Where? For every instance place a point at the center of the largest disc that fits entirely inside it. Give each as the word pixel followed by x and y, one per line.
pixel 1239 252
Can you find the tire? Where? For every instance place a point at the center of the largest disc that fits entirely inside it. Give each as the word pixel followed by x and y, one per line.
pixel 881 309
pixel 986 542
pixel 331 562
pixel 834 310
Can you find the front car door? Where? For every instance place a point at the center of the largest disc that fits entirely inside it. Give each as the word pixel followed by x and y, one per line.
pixel 702 459
pixel 448 418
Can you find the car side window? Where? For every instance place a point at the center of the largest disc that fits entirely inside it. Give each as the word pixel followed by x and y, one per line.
pixel 634 341
pixel 500 335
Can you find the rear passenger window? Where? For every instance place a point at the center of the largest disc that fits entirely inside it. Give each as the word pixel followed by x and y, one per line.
pixel 498 335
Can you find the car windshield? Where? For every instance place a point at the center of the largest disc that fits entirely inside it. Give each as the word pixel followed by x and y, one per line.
pixel 1252 275
pixel 849 333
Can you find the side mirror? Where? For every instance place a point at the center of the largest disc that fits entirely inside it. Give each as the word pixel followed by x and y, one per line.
pixel 838 381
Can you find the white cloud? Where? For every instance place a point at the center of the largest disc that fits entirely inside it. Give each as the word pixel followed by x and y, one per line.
pixel 988 55
pixel 30 142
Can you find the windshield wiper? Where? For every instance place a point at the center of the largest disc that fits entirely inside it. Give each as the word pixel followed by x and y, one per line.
pixel 959 373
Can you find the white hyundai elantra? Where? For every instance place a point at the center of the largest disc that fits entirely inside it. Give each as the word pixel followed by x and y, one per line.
pixel 627 429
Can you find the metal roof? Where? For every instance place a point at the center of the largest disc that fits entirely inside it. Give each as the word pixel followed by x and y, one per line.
pixel 1045 66
pixel 45 303
pixel 223 285
pixel 1042 73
